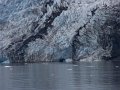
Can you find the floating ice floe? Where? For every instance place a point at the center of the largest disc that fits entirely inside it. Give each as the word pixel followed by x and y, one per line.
pixel 68 60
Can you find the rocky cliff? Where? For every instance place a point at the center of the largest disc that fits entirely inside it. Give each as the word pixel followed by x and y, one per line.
pixel 54 30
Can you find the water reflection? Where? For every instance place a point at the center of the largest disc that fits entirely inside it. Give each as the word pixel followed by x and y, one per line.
pixel 97 76
pixel 59 76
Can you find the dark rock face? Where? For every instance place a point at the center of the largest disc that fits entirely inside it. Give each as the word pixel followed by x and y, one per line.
pixel 104 35
pixel 56 30
pixel 111 33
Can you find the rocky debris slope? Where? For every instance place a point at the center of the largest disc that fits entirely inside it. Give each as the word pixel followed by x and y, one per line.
pixel 54 30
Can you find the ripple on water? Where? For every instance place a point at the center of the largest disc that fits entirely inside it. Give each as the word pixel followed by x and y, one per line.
pixel 57 76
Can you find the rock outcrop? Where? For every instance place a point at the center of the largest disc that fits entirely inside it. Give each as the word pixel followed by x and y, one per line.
pixel 53 30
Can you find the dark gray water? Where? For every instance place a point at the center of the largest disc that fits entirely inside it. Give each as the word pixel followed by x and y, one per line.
pixel 61 76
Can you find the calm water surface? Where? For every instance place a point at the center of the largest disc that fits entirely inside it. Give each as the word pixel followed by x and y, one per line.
pixel 61 76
